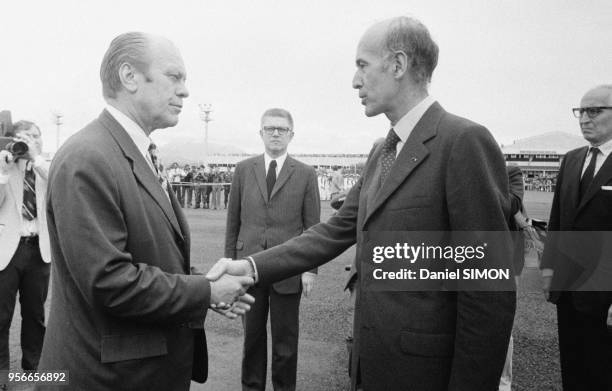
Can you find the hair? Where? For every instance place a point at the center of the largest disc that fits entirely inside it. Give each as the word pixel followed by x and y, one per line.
pixel 412 37
pixel 276 112
pixel 19 126
pixel 132 48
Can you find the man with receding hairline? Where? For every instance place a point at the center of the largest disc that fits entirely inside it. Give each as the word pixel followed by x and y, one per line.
pixel 434 172
pixel 577 260
pixel 126 312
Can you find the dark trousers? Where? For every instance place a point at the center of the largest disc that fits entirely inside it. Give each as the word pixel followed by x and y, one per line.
pixel 178 191
pixel 284 324
pixel 187 193
pixel 226 190
pixel 585 347
pixel 27 274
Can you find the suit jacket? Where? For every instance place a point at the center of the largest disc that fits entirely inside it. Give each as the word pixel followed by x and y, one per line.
pixel 122 295
pixel 255 224
pixel 578 248
pixel 450 175
pixel 11 200
pixel 517 190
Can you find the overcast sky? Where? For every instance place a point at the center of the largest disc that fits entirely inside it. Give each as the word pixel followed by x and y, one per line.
pixel 516 66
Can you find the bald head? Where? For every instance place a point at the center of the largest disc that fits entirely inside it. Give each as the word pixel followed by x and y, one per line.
pixel 597 127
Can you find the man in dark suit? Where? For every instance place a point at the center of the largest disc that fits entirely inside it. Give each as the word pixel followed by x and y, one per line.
pixel 126 314
pixel 577 261
pixel 434 172
pixel 263 212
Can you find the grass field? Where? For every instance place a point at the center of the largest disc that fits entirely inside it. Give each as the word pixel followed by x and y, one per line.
pixel 326 315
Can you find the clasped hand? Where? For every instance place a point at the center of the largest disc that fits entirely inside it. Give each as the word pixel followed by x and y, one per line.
pixel 228 289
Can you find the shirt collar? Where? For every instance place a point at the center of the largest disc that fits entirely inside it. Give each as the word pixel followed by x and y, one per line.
pixel 135 132
pixel 279 161
pixel 406 124
pixel 604 148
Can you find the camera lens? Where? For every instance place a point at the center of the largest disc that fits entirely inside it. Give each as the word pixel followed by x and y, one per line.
pixel 17 148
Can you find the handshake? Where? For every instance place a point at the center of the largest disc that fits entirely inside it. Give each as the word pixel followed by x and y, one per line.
pixel 229 281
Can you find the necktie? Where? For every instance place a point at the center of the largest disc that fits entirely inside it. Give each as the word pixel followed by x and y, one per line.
pixel 28 209
pixel 160 176
pixel 271 177
pixel 388 154
pixel 587 177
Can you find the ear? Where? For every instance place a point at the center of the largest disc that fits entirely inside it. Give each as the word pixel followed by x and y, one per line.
pixel 399 63
pixel 127 75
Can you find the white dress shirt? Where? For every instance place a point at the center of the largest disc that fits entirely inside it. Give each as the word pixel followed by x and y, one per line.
pixel 406 124
pixel 279 162
pixel 604 152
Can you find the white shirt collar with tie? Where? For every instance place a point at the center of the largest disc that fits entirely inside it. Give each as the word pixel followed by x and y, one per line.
pixel 279 162
pixel 138 135
pixel 406 124
pixel 604 151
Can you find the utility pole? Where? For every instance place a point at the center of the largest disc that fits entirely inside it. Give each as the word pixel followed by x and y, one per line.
pixel 58 122
pixel 205 110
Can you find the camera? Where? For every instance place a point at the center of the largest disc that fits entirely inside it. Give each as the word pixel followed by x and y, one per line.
pixel 16 147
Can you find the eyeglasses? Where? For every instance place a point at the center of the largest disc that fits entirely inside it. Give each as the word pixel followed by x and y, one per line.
pixel 269 130
pixel 591 112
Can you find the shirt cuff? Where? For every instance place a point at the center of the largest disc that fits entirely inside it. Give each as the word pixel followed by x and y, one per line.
pixel 547 272
pixel 255 274
pixel 311 273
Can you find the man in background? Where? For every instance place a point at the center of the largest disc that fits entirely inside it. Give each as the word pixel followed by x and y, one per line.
pixel 273 198
pixel 24 249
pixel 577 261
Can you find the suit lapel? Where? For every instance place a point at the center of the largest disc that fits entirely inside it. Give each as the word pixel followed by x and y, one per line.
pixel 602 177
pixel 140 167
pixel 184 227
pixel 15 184
pixel 284 175
pixel 573 166
pixel 259 171
pixel 411 156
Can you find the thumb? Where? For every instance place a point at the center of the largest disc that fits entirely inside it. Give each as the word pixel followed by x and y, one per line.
pixel 245 281
pixel 218 269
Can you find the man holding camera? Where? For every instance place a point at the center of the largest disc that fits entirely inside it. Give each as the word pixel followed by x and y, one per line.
pixel 25 253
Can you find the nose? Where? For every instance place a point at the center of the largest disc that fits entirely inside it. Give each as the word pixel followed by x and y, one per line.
pixel 357 81
pixel 182 90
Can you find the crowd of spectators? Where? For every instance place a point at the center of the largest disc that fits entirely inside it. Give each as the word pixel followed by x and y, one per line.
pixel 208 187
pixel 200 186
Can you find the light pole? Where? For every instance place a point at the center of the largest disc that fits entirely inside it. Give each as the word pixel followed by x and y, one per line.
pixel 58 122
pixel 205 110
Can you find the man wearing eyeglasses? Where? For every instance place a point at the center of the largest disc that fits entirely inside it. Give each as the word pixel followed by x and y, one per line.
pixel 273 198
pixel 577 262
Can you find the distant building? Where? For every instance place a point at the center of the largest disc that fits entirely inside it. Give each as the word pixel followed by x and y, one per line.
pixel 539 157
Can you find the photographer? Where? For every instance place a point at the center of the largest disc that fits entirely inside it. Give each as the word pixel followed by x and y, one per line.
pixel 25 253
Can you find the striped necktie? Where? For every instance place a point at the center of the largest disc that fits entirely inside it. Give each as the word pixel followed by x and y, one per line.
pixel 161 177
pixel 28 209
